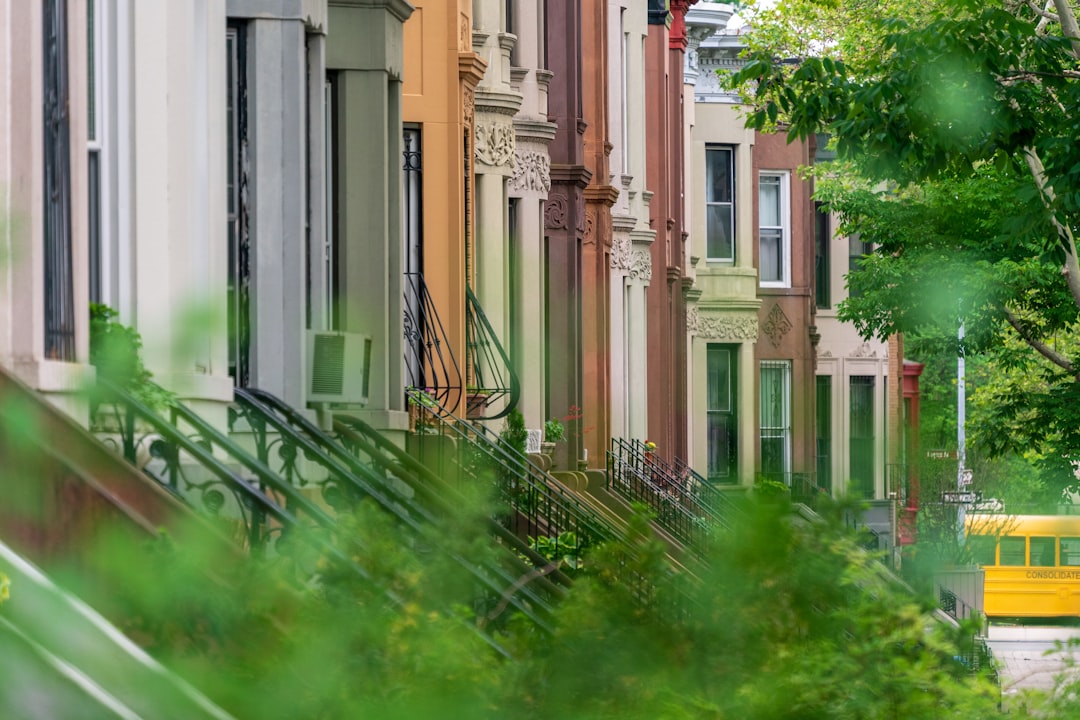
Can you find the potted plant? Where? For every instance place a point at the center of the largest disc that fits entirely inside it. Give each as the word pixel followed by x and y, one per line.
pixel 554 431
pixel 476 402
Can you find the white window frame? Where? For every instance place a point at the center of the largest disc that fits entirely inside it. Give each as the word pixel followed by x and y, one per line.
pixel 784 178
pixel 782 431
pixel 730 205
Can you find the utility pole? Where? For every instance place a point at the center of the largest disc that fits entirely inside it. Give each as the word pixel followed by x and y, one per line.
pixel 961 417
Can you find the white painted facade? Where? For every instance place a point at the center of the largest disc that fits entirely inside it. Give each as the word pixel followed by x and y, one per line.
pixel 631 263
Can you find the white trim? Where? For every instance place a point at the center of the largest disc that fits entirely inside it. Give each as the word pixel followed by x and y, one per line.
pixel 732 204
pixel 784 177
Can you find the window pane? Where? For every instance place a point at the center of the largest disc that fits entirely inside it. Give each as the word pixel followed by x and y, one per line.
pixel 861 438
pixel 719 236
pixel 719 381
pixel 824 432
pixel 721 444
pixel 769 201
pixel 982 549
pixel 775 431
pixel 1042 552
pixel 771 256
pixel 1070 551
pixel 718 180
pixel 1012 551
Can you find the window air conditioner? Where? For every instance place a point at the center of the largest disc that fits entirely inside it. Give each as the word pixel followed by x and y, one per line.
pixel 339 366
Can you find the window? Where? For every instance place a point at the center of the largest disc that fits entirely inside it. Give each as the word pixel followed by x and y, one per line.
pixel 824 432
pixel 237 230
pixel 822 236
pixel 59 292
pixel 776 419
pixel 861 435
pixel 857 250
pixel 1012 551
pixel 1070 551
pixel 719 204
pixel 774 234
pixel 93 145
pixel 1042 552
pixel 983 549
pixel 721 419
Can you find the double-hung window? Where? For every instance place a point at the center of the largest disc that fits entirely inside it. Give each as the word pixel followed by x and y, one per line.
pixel 719 203
pixel 776 419
pixel 722 425
pixel 861 435
pixel 774 229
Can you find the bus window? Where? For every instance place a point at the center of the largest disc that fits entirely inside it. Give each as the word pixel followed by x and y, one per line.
pixel 1042 552
pixel 982 549
pixel 1013 551
pixel 1070 551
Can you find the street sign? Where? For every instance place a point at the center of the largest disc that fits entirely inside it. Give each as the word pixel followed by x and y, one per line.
pixel 965 477
pixel 960 498
pixel 941 454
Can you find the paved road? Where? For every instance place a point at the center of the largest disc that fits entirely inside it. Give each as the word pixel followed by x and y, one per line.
pixel 1025 655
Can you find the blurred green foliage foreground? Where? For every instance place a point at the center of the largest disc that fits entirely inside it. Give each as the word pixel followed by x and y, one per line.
pixel 792 619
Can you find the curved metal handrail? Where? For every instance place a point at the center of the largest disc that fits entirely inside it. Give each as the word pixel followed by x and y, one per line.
pixel 429 357
pixel 365 479
pixel 488 365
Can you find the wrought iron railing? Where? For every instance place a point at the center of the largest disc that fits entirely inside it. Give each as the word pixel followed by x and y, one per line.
pixel 201 466
pixel 494 388
pixel 429 358
pixel 720 501
pixel 673 507
pixel 531 503
pixel 365 464
pixel 803 486
pixel 204 467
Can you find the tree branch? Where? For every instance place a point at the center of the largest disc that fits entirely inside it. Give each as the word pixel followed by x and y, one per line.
pixel 1045 14
pixel 1042 348
pixel 1069 28
pixel 1071 271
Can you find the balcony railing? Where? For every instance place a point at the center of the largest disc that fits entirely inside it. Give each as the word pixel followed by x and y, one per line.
pixel 429 358
pixel 494 388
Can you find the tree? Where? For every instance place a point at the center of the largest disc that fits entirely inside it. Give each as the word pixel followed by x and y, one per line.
pixel 959 161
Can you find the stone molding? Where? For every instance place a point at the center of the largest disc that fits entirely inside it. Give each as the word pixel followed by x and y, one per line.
pixel 494 143
pixel 641 265
pixel 532 171
pixel 776 325
pixel 721 327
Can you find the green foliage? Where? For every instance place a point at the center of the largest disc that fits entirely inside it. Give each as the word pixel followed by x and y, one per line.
pixel 553 430
pixel 515 434
pixel 956 137
pixel 115 352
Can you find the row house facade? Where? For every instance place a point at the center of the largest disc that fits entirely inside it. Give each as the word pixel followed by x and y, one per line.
pixel 548 205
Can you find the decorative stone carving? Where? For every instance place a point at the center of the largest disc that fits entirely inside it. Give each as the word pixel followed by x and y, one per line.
pixel 864 351
pixel 824 354
pixel 776 325
pixel 555 210
pixel 580 213
pixel 620 253
pixel 466 33
pixel 467 107
pixel 590 226
pixel 532 171
pixel 721 327
pixel 641 265
pixel 494 144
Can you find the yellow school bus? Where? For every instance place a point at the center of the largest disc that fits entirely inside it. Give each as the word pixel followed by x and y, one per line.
pixel 1032 563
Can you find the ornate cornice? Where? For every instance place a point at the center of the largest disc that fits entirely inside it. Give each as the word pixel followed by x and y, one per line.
pixel 621 253
pixel 721 327
pixel 570 175
pixel 494 143
pixel 498 102
pixel 641 264
pixel 532 171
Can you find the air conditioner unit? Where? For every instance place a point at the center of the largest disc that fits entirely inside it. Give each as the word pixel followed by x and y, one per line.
pixel 339 367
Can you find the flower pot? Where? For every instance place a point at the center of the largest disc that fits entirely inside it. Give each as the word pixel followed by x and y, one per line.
pixel 476 405
pixel 547 448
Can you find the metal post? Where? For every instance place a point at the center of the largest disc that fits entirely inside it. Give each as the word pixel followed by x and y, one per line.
pixel 961 417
